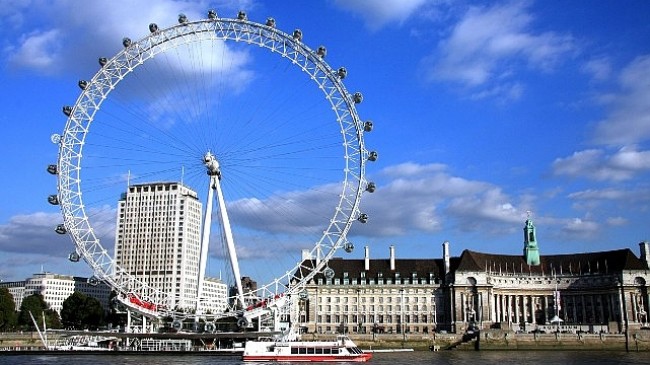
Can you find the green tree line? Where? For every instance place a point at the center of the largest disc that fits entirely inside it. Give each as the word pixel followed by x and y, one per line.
pixel 79 312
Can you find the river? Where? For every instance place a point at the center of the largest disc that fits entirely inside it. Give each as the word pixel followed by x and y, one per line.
pixel 419 357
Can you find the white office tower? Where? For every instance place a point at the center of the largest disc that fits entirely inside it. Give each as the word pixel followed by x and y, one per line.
pixel 158 238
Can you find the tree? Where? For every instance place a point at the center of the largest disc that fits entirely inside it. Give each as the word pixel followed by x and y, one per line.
pixel 36 305
pixel 7 310
pixel 82 312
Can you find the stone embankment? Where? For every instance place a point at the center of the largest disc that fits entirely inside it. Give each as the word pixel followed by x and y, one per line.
pixel 484 340
pixel 508 340
pixel 20 341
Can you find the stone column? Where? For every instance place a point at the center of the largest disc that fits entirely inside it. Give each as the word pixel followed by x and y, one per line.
pixel 545 305
pixel 517 309
pixel 610 298
pixel 500 315
pixel 601 310
pixel 463 310
pixel 620 309
pixel 635 312
pixel 532 310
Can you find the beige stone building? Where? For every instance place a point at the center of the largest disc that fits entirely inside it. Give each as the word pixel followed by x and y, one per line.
pixel 590 292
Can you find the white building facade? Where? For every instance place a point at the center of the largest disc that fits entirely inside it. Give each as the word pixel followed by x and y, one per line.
pixel 56 288
pixel 590 292
pixel 158 239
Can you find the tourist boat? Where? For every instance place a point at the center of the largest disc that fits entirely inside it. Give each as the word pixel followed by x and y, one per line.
pixel 342 349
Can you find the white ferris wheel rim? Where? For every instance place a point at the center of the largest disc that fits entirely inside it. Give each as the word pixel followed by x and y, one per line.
pixel 134 54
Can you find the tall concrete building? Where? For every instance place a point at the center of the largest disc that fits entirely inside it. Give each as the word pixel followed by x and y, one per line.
pixel 158 238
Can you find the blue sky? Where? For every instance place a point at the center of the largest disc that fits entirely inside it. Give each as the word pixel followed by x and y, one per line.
pixel 483 111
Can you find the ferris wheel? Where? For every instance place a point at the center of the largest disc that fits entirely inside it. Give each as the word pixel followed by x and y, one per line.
pixel 236 112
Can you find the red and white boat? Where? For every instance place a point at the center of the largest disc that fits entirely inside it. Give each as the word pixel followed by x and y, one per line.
pixel 343 349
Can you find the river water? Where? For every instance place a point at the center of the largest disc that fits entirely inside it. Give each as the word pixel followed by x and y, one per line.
pixel 418 357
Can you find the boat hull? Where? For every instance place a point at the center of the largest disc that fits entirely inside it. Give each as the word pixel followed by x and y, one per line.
pixel 309 358
pixel 341 350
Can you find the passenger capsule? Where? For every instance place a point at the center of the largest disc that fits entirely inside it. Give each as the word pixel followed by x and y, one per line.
pixel 371 187
pixel 83 84
pixel 357 97
pixel 372 156
pixel 103 61
pixel 53 199
pixel 53 169
pixel 270 22
pixel 363 218
pixel 60 229
pixel 212 14
pixel 177 325
pixel 126 42
pixel 182 19
pixel 67 110
pixel 342 73
pixel 329 273
pixel 297 35
pixel 321 52
pixel 367 126
pixel 348 247
pixel 242 15
pixel 209 327
pixel 153 27
pixel 303 295
pixel 242 322
pixel 93 281
pixel 74 256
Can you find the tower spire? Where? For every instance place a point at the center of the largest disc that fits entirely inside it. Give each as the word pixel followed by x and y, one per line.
pixel 531 250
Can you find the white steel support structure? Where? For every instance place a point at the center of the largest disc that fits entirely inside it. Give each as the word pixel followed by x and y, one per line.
pixel 214 171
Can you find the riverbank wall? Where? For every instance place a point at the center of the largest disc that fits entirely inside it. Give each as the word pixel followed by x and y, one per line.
pixel 484 341
pixel 504 340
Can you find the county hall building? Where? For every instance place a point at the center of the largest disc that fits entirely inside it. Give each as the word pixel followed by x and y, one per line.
pixel 591 292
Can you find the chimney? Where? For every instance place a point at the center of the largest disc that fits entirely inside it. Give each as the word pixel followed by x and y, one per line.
pixel 366 260
pixel 645 253
pixel 392 258
pixel 445 255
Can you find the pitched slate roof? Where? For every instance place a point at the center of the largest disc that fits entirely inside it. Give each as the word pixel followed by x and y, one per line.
pixel 405 268
pixel 581 263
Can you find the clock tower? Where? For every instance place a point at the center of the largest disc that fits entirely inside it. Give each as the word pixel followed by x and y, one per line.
pixel 531 250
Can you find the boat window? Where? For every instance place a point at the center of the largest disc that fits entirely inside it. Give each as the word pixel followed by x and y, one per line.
pixel 294 350
pixel 319 350
pixel 310 350
pixel 302 350
pixel 327 350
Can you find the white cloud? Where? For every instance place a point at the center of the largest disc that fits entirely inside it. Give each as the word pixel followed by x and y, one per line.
pixel 580 228
pixel 38 50
pixel 598 68
pixel 426 198
pixel 376 14
pixel 34 233
pixel 604 194
pixel 617 221
pixel 489 45
pixel 596 164
pixel 80 33
pixel 628 119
